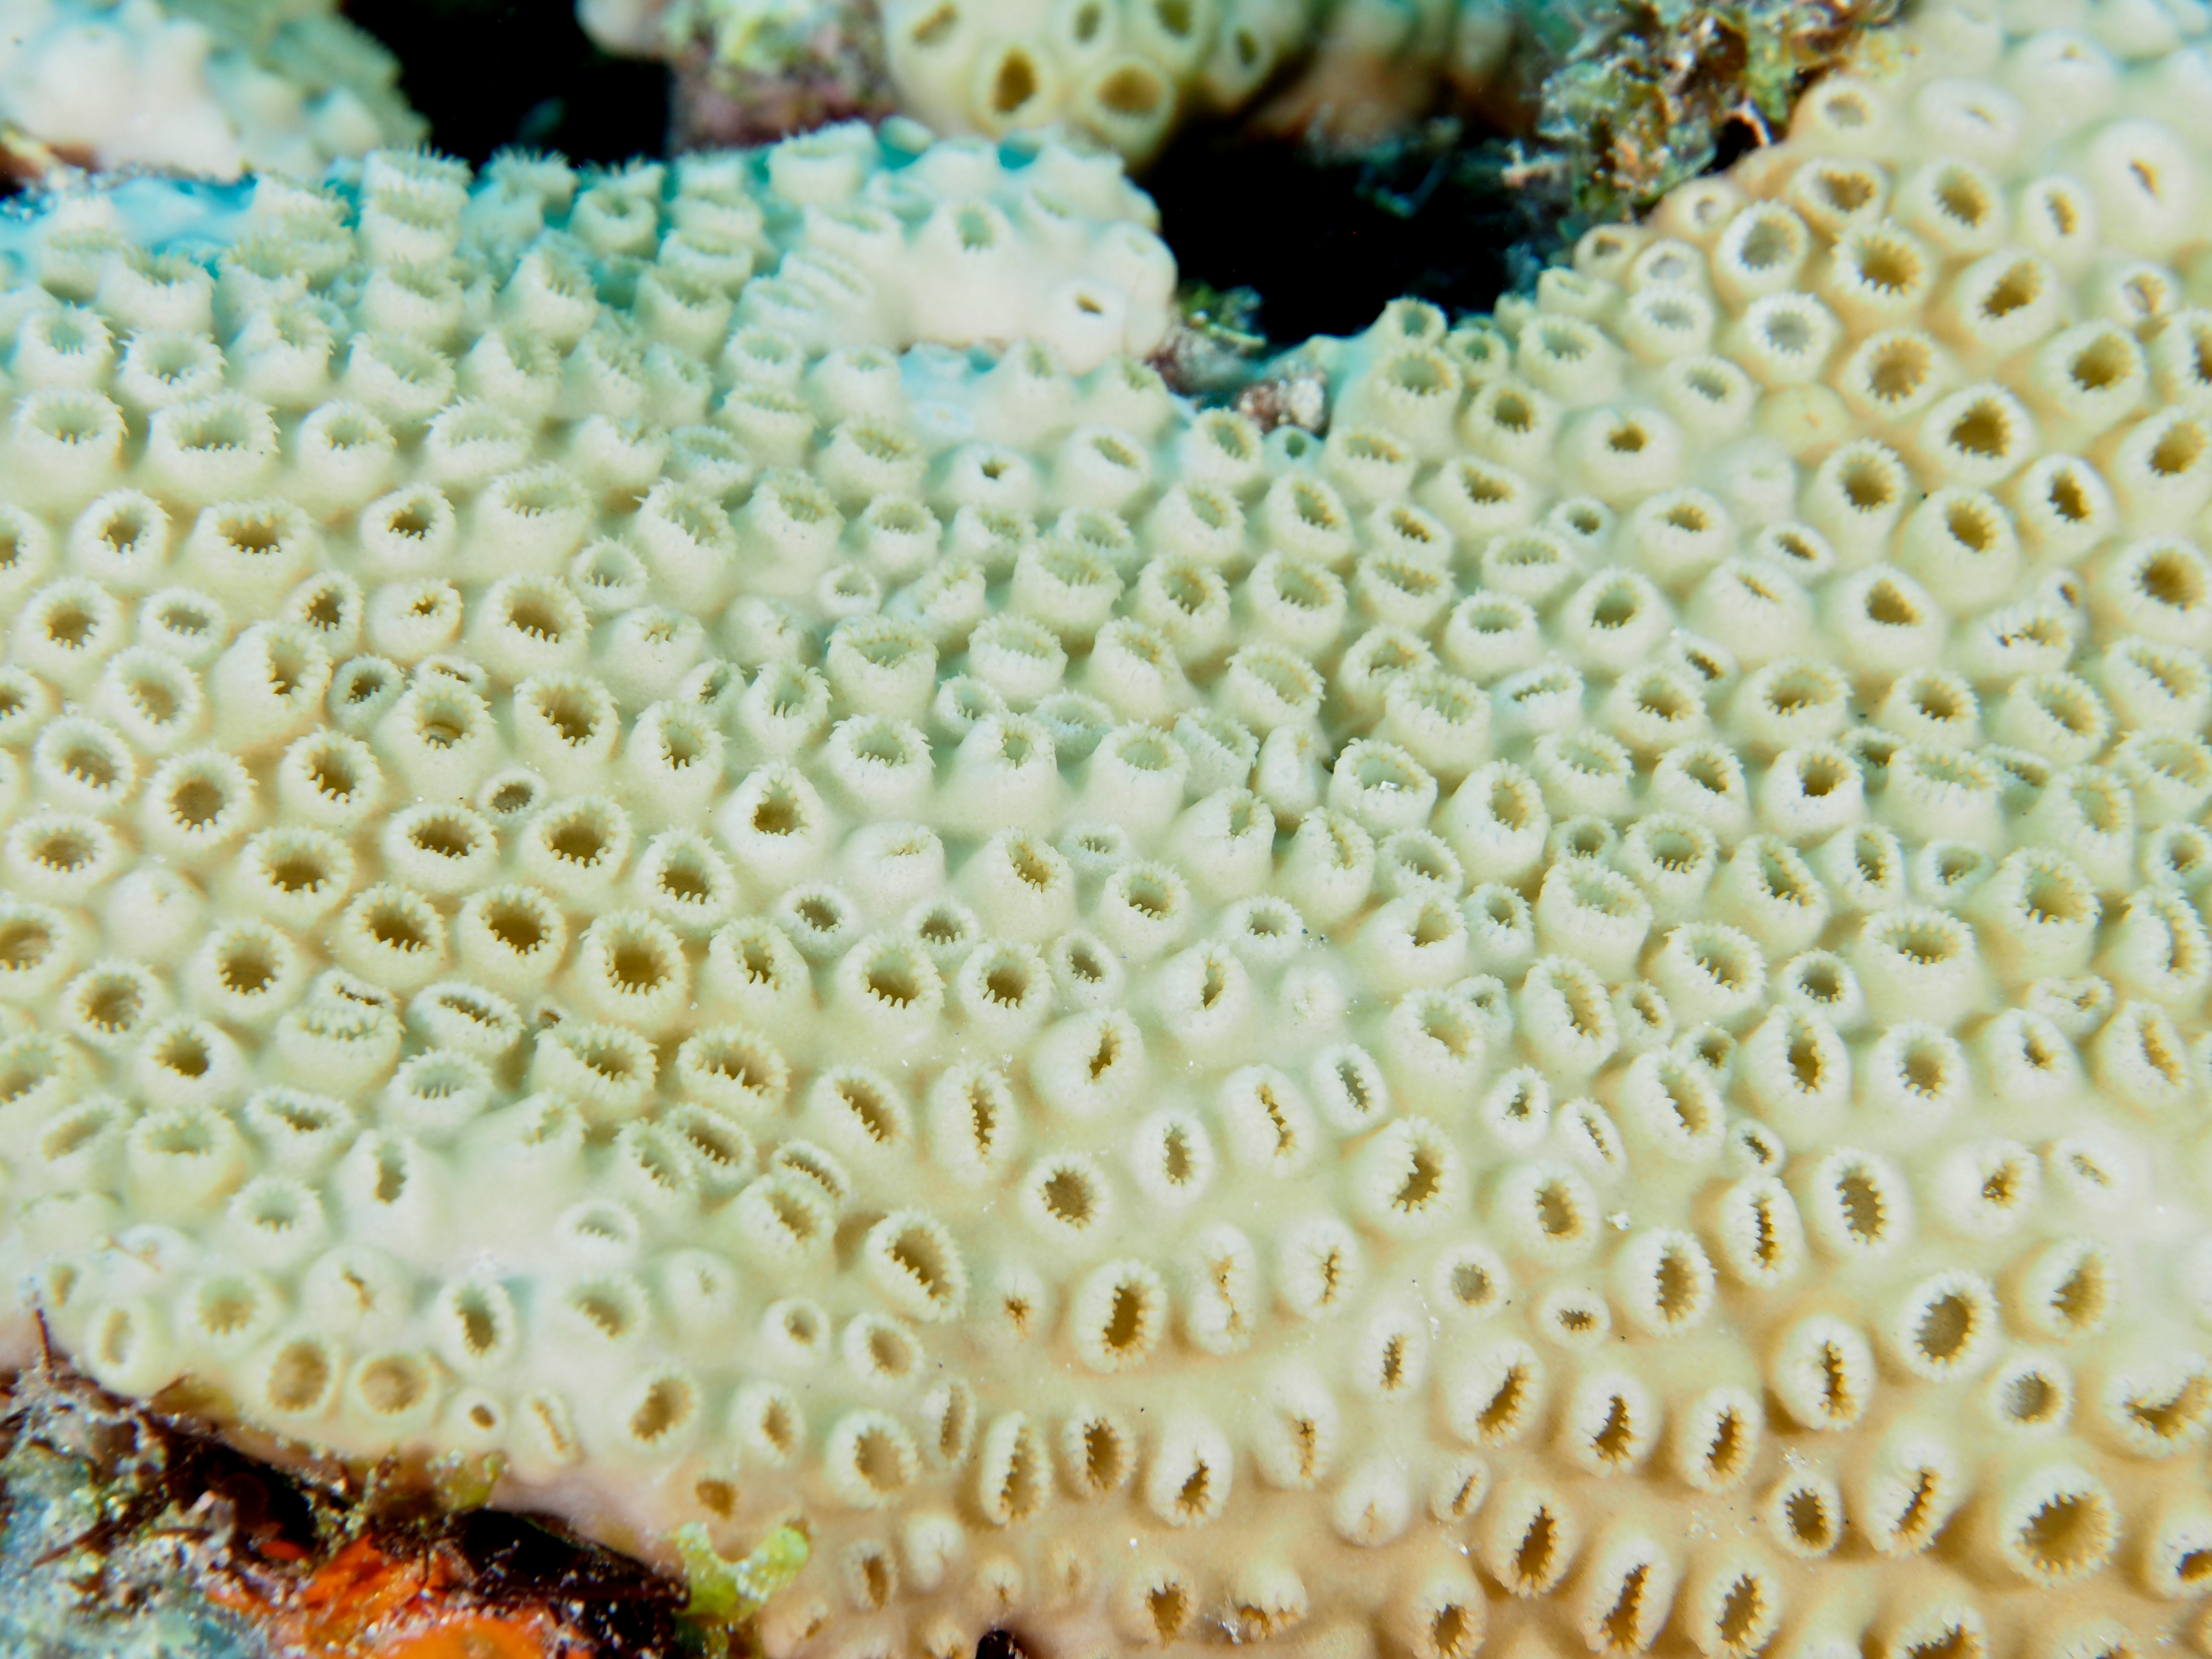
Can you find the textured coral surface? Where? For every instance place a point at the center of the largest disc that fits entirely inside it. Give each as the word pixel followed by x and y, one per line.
pixel 1595 105
pixel 204 86
pixel 1573 1016
pixel 1123 72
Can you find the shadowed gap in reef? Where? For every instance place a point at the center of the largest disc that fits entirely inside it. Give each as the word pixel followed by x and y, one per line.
pixel 488 72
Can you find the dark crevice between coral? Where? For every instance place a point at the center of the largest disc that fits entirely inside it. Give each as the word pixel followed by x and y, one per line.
pixel 1328 236
pixel 490 73
pixel 617 1604
pixel 1601 106
pixel 1738 136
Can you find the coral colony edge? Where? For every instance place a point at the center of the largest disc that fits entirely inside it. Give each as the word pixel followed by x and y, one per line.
pixel 675 840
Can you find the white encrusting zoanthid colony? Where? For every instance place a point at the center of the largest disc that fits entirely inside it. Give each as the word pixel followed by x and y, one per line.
pixel 1572 1018
pixel 210 86
pixel 1123 73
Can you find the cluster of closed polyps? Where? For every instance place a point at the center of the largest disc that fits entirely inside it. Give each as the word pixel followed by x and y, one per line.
pixel 1575 1012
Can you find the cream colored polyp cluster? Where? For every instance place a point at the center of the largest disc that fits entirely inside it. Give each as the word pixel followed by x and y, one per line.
pixel 1126 71
pixel 1572 1018
pixel 116 84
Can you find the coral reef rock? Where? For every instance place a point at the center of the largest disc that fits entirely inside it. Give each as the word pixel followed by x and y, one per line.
pixel 746 74
pixel 1630 97
pixel 130 1532
pixel 1570 1015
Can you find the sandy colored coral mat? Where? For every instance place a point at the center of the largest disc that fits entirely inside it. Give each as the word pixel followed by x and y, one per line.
pixel 679 832
pixel 208 86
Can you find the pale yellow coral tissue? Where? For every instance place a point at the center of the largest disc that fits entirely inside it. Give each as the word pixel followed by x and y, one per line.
pixel 1573 1017
pixel 206 87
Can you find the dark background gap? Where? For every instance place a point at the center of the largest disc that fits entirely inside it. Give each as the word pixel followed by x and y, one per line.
pixel 1327 239
pixel 487 73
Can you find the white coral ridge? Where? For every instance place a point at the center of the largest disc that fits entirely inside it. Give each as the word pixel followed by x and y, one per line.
pixel 1125 73
pixel 1578 1012
pixel 281 85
